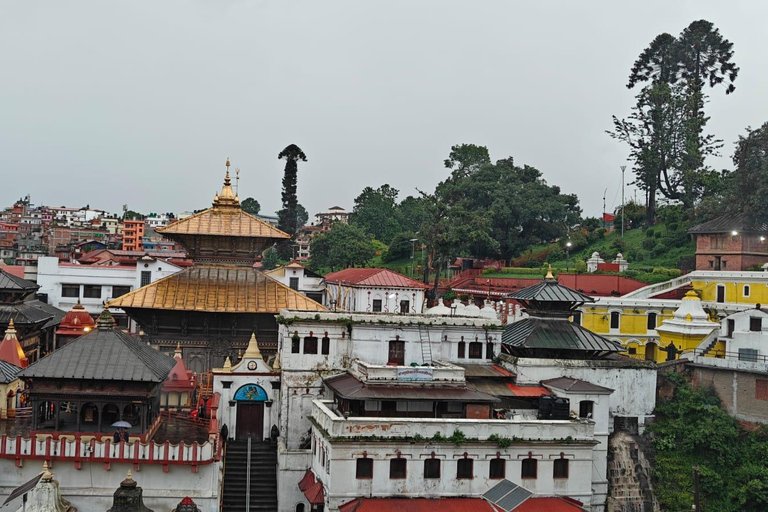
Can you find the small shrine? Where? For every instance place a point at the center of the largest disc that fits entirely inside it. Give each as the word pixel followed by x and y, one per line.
pixel 548 332
pixel 179 389
pixel 10 348
pixel 129 497
pixel 685 331
pixel 186 505
pixel 77 322
pixel 46 496
pixel 96 380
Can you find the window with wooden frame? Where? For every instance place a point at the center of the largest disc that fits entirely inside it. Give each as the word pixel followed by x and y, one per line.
pixel 489 350
pixel 529 468
pixel 462 349
pixel 560 467
pixel 761 389
pixel 396 352
pixel 295 344
pixel 497 468
pixel 70 290
pixel 651 325
pixel 432 468
pixel 615 319
pixel 310 345
pixel 465 468
pixel 364 470
pixel 326 346
pixel 397 468
pixel 475 350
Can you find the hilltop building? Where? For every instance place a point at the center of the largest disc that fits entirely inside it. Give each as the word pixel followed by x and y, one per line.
pixel 730 243
pixel 300 278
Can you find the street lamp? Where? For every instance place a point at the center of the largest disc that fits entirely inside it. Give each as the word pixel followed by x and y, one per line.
pixel 413 252
pixel 568 245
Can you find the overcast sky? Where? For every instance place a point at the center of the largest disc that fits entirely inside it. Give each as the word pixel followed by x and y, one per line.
pixel 135 102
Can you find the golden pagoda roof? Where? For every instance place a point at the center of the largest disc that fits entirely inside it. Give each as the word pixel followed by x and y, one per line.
pixel 217 289
pixel 225 218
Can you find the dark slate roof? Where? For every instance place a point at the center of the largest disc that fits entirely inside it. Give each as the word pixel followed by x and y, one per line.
pixel 11 282
pixel 347 386
pixel 555 334
pixel 57 314
pixel 104 354
pixel 576 385
pixel 8 372
pixel 23 313
pixel 727 223
pixel 549 290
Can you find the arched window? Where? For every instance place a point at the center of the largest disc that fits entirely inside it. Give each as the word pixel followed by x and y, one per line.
pixel 746 290
pixel 300 507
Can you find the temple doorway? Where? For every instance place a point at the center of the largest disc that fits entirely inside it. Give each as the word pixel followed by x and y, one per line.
pixel 250 400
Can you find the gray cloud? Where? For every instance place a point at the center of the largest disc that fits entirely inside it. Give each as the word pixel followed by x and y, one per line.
pixel 141 102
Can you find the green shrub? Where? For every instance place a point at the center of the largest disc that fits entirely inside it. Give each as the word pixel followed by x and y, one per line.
pixel 649 232
pixel 648 244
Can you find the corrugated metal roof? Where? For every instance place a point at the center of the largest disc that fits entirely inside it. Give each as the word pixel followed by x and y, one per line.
pixel 8 372
pixel 381 277
pixel 556 334
pixel 219 289
pixel 348 387
pixel 418 505
pixel 9 281
pixel 24 313
pixel 218 221
pixel 104 354
pixel 576 385
pixel 484 370
pixel 549 290
pixel 727 223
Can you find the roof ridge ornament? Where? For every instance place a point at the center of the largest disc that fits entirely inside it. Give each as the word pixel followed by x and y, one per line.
pixel 549 272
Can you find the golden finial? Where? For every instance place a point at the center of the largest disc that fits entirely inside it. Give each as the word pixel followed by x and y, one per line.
pixel 252 352
pixel 47 475
pixel 227 164
pixel 549 272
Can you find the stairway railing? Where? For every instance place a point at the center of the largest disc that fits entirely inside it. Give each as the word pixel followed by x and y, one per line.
pixel 248 478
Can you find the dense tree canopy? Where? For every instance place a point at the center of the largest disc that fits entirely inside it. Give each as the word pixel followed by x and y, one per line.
pixel 287 216
pixel 250 205
pixel 749 190
pixel 666 130
pixel 344 246
pixel 375 212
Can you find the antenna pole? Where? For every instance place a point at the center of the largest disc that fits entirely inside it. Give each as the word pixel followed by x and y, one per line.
pixel 604 192
pixel 237 182
pixel 623 168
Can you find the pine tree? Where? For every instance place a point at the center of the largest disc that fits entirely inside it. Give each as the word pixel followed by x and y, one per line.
pixel 288 215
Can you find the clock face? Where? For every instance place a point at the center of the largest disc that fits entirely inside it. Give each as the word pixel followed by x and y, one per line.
pixel 252 365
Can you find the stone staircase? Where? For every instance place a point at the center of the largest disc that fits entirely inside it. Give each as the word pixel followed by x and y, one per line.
pixel 629 477
pixel 263 485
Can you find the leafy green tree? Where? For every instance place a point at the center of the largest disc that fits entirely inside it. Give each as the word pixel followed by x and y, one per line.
pixel 344 246
pixel 375 211
pixel 465 159
pixel 132 215
pixel 666 129
pixel 288 215
pixel 410 213
pixel 271 259
pixel 749 189
pixel 250 205
pixel 400 247
pixel 302 216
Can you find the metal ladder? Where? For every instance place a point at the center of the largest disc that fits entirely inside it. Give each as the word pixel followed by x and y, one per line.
pixel 426 346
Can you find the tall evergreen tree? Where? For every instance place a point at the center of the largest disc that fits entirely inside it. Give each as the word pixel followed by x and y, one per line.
pixel 288 215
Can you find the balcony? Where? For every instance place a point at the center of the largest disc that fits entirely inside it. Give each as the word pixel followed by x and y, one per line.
pixel 524 428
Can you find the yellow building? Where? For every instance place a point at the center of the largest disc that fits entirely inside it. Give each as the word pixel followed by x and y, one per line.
pixel 633 322
pixel 747 288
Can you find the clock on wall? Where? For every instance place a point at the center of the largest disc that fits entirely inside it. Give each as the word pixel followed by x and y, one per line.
pixel 251 365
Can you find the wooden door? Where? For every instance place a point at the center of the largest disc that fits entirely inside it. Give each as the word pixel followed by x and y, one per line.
pixel 250 421
pixel 396 353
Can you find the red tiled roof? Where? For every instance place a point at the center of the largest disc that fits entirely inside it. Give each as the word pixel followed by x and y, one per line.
pixel 549 505
pixel 76 322
pixel 373 277
pixel 531 391
pixel 419 505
